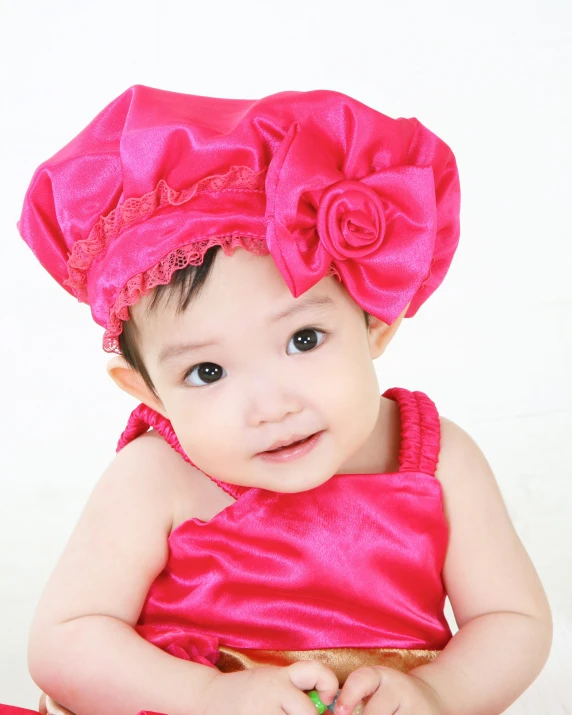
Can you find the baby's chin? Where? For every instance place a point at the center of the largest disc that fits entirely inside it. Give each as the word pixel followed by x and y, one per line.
pixel 299 472
pixel 286 481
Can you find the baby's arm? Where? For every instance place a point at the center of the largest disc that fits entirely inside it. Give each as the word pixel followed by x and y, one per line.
pixel 504 619
pixel 82 650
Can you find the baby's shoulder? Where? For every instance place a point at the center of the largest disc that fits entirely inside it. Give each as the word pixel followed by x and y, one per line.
pixel 463 468
pixel 141 474
pixel 154 466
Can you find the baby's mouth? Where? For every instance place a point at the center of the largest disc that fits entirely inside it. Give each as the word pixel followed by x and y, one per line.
pixel 292 444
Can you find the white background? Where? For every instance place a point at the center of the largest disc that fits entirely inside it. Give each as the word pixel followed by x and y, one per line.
pixel 491 347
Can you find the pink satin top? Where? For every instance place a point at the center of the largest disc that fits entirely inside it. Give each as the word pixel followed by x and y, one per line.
pixel 354 562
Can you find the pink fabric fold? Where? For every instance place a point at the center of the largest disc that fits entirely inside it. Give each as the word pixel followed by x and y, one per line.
pixel 355 562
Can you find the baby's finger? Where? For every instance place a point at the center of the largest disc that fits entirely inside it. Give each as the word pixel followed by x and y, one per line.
pixel 297 702
pixel 361 684
pixel 313 675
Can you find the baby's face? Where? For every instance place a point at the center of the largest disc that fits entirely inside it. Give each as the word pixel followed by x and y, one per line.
pixel 263 379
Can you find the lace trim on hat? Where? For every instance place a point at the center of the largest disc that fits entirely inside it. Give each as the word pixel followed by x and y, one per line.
pixel 161 274
pixel 85 252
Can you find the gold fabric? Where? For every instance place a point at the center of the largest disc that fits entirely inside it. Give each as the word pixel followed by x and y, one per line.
pixel 342 661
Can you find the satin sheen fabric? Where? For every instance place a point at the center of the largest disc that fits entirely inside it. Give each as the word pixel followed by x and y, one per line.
pixel 13 710
pixel 317 176
pixel 355 562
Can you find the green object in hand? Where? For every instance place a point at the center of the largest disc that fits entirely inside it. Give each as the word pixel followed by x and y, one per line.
pixel 315 698
pixel 321 708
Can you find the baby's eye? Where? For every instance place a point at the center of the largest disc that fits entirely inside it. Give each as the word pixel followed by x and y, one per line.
pixel 305 340
pixel 207 371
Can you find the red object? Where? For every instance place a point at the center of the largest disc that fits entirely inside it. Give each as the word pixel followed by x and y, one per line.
pixel 326 184
pixel 12 710
pixel 355 562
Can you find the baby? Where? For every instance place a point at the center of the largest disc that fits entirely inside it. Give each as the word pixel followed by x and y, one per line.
pixel 271 523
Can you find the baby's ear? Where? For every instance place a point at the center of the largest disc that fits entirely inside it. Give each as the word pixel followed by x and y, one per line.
pixel 130 381
pixel 380 333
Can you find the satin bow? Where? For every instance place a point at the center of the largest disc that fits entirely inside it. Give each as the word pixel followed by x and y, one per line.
pixel 384 221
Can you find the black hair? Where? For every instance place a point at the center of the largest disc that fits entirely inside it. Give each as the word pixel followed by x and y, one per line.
pixel 186 283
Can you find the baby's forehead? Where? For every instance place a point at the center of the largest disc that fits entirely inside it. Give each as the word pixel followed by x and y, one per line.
pixel 173 307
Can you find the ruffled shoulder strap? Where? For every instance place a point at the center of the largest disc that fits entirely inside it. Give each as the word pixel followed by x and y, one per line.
pixel 143 417
pixel 420 431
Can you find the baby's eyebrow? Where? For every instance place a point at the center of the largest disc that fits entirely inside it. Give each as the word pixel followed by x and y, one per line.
pixel 304 304
pixel 170 352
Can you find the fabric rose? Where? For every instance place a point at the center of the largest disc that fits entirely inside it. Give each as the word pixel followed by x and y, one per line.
pixel 325 183
pixel 385 220
pixel 351 220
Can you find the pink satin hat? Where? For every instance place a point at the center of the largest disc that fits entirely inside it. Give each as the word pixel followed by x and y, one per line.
pixel 322 182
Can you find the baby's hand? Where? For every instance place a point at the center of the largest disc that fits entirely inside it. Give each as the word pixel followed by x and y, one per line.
pixel 270 690
pixel 387 690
